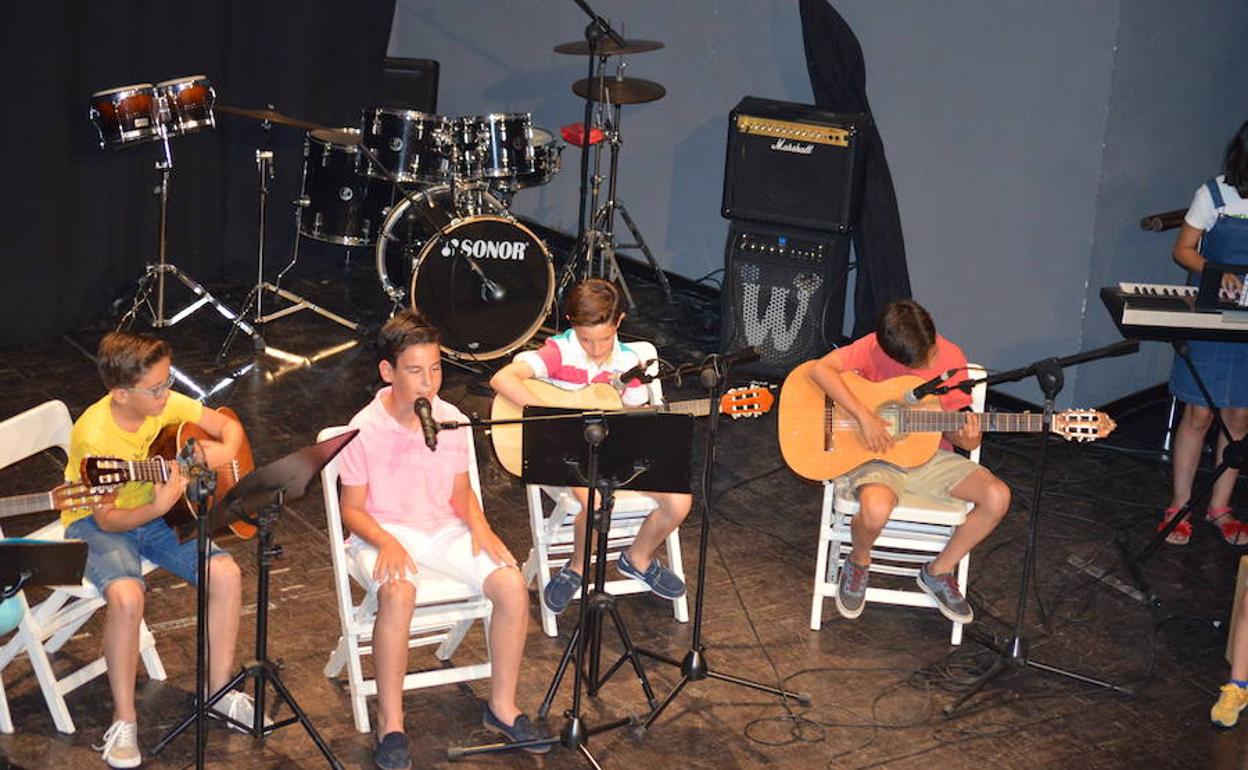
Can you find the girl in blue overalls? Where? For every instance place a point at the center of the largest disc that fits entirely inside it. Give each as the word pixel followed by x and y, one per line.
pixel 1214 229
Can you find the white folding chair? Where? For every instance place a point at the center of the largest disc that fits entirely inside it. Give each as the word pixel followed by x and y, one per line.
pixel 445 608
pixel 553 532
pixel 918 529
pixel 46 627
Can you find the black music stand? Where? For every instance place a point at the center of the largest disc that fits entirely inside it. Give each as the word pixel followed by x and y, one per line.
pixel 28 563
pixel 553 444
pixel 267 490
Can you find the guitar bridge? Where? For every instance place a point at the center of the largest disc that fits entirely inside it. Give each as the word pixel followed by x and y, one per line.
pixel 829 421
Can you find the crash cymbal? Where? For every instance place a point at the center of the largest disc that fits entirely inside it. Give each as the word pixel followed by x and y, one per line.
pixel 609 47
pixel 619 90
pixel 272 116
pixel 347 137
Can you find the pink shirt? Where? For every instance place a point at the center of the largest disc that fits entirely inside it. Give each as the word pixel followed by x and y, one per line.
pixel 562 362
pixel 407 483
pixel 868 359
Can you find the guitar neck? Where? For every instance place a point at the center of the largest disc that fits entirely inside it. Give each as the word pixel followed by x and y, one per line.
pixel 32 503
pixel 155 469
pixel 922 421
pixel 698 407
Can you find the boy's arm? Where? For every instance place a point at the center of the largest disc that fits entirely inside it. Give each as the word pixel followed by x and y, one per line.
pixel 228 434
pixel 467 508
pixel 393 561
pixel 508 382
pixel 827 375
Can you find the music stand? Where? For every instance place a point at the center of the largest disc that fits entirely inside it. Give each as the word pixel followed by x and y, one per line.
pixel 266 490
pixel 28 563
pixel 553 445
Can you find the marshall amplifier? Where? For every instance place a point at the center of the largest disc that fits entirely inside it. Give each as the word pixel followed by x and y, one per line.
pixel 793 164
pixel 784 291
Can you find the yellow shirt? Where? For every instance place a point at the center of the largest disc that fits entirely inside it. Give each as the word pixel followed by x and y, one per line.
pixel 97 434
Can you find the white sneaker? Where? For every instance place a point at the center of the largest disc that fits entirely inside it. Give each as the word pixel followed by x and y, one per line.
pixel 121 745
pixel 238 705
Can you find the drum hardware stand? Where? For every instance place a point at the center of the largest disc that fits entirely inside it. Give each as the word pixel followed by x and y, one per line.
pixel 264 167
pixel 154 275
pixel 1013 655
pixel 1235 455
pixel 267 490
pixel 585 644
pixel 695 666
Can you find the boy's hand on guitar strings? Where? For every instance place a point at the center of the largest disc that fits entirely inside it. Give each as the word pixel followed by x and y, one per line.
pixel 875 433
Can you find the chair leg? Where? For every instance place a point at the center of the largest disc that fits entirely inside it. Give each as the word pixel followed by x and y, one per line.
pixel 453 639
pixel 680 607
pixel 821 561
pixel 32 639
pixel 6 719
pixel 964 568
pixel 355 686
pixel 337 659
pixel 147 651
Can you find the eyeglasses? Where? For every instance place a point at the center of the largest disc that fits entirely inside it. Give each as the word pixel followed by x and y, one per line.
pixel 157 391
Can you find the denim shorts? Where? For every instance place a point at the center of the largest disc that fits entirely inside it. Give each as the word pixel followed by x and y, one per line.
pixel 116 555
pixel 1223 367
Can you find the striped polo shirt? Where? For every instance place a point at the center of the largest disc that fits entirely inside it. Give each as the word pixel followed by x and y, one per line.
pixel 562 362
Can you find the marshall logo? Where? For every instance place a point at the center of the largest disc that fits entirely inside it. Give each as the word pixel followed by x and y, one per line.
pixel 793 147
pixel 483 249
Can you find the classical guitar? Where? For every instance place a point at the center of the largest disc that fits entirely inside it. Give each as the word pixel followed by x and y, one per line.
pixel 736 403
pixel 59 499
pixel 164 452
pixel 819 440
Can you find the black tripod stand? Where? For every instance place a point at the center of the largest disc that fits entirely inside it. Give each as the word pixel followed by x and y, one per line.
pixel 550 458
pixel 1014 654
pixel 266 489
pixel 695 667
pixel 1234 456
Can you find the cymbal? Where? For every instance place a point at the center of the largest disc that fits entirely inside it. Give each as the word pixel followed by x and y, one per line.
pixel 272 116
pixel 343 136
pixel 608 47
pixel 619 90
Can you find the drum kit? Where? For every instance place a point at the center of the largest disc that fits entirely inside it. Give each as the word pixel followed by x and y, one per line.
pixel 431 194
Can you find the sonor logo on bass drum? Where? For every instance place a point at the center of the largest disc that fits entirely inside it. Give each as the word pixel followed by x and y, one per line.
pixel 793 147
pixel 483 249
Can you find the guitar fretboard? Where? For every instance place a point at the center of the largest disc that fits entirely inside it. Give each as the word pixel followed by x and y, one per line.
pixel 19 504
pixel 923 421
pixel 698 407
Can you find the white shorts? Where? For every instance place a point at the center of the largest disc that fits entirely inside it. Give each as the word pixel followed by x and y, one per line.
pixel 447 552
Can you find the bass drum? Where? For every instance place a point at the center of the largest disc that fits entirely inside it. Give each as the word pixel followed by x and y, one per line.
pixel 440 237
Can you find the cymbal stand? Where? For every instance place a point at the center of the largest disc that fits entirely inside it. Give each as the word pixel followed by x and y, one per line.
pixel 154 275
pixel 600 242
pixel 264 168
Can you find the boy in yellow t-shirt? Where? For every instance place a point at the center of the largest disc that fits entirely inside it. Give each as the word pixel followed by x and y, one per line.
pixel 136 369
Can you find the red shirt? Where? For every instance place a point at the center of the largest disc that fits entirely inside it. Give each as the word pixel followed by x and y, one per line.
pixel 865 357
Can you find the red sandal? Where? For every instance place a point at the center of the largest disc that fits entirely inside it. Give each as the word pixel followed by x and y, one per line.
pixel 1182 532
pixel 1233 530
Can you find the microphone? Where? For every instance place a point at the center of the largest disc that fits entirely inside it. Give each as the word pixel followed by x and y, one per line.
pixel 427 424
pixel 638 372
pixel 915 395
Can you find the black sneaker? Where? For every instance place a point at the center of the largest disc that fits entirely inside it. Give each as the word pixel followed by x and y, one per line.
pixel 520 731
pixel 561 589
pixel 661 580
pixel 851 589
pixel 944 589
pixel 391 753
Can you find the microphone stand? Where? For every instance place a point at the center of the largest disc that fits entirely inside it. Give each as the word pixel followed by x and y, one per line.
pixel 1014 654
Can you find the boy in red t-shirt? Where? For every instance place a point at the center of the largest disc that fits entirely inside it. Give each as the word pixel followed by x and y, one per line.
pixel 907 343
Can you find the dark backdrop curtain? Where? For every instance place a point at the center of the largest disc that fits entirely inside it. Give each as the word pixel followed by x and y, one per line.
pixel 79 223
pixel 838 78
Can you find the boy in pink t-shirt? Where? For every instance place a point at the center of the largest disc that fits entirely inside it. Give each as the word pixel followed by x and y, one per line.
pixel 907 343
pixel 410 509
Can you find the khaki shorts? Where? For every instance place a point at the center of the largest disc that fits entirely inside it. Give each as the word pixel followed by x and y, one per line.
pixel 934 478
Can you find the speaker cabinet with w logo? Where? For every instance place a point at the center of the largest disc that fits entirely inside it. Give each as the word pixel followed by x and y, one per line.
pixel 793 164
pixel 784 291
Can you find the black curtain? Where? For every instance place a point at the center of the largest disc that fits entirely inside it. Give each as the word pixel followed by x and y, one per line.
pixel 78 222
pixel 838 78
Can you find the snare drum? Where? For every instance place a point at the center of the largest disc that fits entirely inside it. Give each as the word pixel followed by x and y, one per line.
pixel 494 146
pixel 414 146
pixel 125 115
pixel 543 163
pixel 436 236
pixel 341 204
pixel 189 101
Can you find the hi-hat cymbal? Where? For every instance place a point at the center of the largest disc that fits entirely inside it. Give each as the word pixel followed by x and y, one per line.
pixel 608 47
pixel 619 90
pixel 272 116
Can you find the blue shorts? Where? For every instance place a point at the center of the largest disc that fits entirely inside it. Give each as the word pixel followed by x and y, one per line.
pixel 117 555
